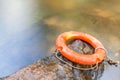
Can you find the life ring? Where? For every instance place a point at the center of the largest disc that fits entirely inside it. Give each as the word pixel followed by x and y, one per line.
pixel 89 59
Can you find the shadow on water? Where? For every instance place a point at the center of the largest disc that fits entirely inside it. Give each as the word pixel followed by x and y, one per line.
pixel 28 29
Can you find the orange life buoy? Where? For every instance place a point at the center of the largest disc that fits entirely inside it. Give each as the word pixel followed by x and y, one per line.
pixel 89 59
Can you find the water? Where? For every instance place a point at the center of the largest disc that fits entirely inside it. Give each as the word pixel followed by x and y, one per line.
pixel 28 29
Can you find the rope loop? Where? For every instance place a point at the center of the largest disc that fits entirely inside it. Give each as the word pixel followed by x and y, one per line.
pixel 80 68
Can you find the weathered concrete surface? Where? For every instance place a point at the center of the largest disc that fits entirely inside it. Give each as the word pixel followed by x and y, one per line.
pixel 50 68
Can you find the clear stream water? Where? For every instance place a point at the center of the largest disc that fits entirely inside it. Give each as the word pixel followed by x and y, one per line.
pixel 28 29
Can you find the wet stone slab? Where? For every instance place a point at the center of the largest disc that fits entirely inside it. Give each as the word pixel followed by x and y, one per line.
pixel 50 68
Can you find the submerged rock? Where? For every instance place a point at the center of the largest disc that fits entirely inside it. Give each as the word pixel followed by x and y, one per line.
pixel 50 68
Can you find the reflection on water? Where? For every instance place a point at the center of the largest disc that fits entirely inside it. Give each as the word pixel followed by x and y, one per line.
pixel 21 42
pixel 28 29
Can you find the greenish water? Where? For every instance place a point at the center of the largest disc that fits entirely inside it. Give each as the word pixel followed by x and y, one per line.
pixel 28 29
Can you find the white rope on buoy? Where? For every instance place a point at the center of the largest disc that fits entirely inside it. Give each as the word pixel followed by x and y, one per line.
pixel 90 68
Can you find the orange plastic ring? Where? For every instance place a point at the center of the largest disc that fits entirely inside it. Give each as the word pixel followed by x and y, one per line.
pixel 89 59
